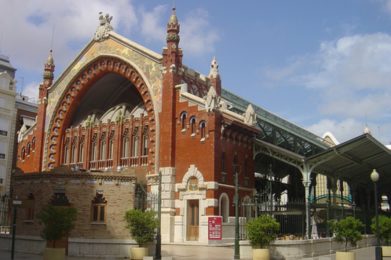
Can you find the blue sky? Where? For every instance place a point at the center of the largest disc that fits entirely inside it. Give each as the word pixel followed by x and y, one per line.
pixel 324 65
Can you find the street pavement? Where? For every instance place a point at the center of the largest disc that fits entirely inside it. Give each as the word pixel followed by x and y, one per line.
pixel 186 252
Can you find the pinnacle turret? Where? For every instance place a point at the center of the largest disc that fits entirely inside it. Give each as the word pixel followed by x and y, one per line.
pixel 48 73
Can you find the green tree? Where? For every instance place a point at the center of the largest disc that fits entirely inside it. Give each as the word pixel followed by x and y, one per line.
pixel 347 230
pixel 262 230
pixel 57 222
pixel 384 228
pixel 142 225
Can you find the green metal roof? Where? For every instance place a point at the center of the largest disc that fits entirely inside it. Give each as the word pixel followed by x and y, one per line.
pixel 277 130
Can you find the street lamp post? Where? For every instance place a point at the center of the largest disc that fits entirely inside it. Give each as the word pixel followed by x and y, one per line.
pixel 237 251
pixel 378 249
pixel 15 204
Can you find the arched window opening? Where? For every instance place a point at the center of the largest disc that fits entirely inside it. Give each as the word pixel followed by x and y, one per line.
pixel 33 144
pixel 102 151
pixel 23 153
pixel 28 149
pixel 183 121
pixel 81 149
pixel 203 130
pixel 94 149
pixel 224 207
pixel 111 147
pixel 66 152
pixel 125 144
pixel 145 141
pixel 135 143
pixel 73 151
pixel 193 126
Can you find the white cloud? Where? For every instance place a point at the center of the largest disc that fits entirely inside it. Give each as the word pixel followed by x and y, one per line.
pixel 345 129
pixel 352 75
pixel 197 34
pixel 152 25
pixel 27 27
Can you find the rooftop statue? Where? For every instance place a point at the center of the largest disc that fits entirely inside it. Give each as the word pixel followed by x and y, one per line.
pixel 104 27
pixel 250 118
pixel 211 100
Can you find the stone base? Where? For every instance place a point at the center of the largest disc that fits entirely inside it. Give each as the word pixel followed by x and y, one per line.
pixel 54 254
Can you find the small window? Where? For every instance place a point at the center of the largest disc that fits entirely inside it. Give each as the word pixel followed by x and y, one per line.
pixel 2 132
pixel 145 141
pixel 33 144
pixel 183 121
pixel 193 125
pixel 203 130
pixel 98 208
pixel 2 155
pixel 22 153
pixel 135 143
pixel 81 149
pixel 28 149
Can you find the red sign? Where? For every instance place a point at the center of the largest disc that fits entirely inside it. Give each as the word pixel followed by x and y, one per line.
pixel 215 228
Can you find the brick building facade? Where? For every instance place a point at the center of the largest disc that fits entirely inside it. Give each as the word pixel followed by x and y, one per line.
pixel 119 115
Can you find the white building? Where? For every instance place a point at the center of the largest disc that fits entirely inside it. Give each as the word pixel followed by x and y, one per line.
pixel 7 122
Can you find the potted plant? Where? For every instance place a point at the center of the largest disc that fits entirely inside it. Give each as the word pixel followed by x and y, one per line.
pixel 384 232
pixel 261 231
pixel 347 230
pixel 142 226
pixel 57 223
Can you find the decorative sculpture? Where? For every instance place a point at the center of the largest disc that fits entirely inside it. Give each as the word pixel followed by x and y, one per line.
pixel 104 27
pixel 250 118
pixel 211 100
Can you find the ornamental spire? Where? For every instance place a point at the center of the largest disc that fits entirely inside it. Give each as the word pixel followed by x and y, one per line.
pixel 214 68
pixel 48 73
pixel 173 29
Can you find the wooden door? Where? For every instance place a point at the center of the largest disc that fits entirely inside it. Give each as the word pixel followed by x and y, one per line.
pixel 192 220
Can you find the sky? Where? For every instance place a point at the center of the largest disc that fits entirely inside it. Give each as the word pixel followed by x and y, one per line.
pixel 323 65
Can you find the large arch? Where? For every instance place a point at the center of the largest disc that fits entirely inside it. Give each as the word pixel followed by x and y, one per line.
pixel 74 93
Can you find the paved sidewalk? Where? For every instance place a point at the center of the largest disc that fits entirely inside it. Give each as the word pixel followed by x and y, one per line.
pixel 186 252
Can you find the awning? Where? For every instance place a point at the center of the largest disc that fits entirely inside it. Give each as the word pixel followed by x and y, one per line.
pixel 354 161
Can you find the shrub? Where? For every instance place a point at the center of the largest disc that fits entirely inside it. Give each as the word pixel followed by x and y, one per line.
pixel 57 222
pixel 384 228
pixel 347 230
pixel 142 225
pixel 262 231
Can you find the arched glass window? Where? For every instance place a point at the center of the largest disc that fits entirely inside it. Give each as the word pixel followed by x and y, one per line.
pixel 28 149
pixel 125 144
pixel 73 151
pixel 94 148
pixel 203 130
pixel 193 125
pixel 66 151
pixel 145 141
pixel 33 144
pixel 183 120
pixel 23 153
pixel 111 148
pixel 135 143
pixel 102 146
pixel 81 149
